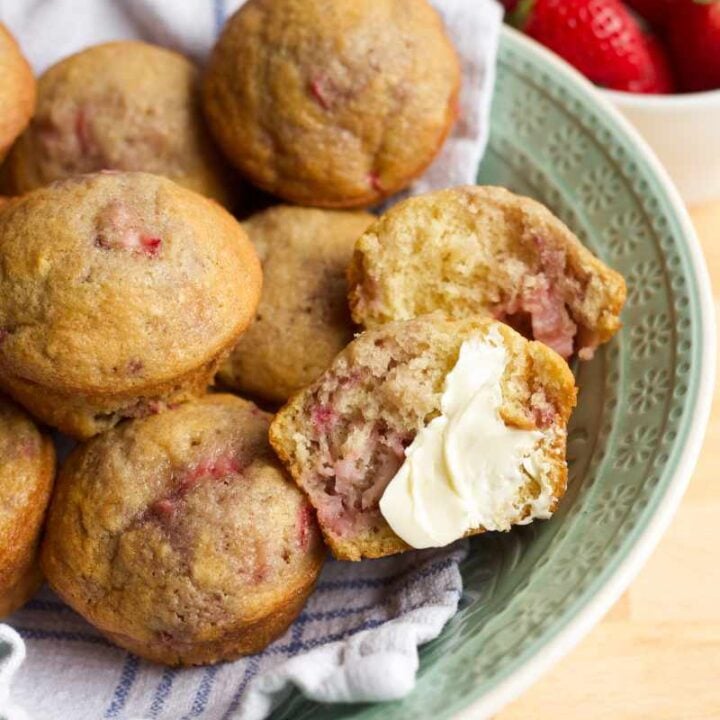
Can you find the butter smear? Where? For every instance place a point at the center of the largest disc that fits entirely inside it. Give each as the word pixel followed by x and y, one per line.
pixel 466 468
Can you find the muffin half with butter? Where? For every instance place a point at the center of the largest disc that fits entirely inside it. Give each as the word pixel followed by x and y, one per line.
pixel 424 431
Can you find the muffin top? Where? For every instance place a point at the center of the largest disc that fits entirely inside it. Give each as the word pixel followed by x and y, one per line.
pixel 26 473
pixel 17 90
pixel 119 106
pixel 180 525
pixel 116 281
pixel 333 104
pixel 303 319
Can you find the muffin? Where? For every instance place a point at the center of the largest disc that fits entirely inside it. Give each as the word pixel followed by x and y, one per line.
pixel 471 250
pixel 332 104
pixel 27 471
pixel 180 537
pixel 17 91
pixel 303 320
pixel 120 293
pixel 119 106
pixel 427 430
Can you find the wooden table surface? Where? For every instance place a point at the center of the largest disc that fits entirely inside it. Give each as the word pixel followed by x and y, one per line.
pixel 656 655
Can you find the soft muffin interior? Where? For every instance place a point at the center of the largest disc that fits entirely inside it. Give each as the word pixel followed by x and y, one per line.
pixel 349 431
pixel 462 256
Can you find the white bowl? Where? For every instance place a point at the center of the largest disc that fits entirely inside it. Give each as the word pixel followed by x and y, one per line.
pixel 684 132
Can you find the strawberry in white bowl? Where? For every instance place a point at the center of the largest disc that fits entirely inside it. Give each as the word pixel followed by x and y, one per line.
pixel 658 61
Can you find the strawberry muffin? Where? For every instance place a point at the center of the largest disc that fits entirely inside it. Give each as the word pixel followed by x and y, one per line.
pixel 120 294
pixel 17 91
pixel 470 250
pixel 335 104
pixel 424 431
pixel 27 471
pixel 303 320
pixel 119 106
pixel 180 537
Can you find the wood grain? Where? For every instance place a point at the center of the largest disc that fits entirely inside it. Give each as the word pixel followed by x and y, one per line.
pixel 657 652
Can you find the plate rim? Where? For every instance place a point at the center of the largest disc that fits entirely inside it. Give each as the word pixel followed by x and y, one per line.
pixel 481 705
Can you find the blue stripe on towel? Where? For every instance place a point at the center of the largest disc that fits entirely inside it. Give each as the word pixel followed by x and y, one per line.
pixel 48 606
pixel 293 648
pixel 307 617
pixel 203 693
pixel 412 576
pixel 33 634
pixel 250 672
pixel 162 692
pixel 122 691
pixel 219 9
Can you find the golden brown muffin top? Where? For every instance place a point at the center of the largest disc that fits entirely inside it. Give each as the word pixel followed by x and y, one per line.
pixel 119 106
pixel 333 104
pixel 117 281
pixel 303 319
pixel 180 525
pixel 17 90
pixel 27 463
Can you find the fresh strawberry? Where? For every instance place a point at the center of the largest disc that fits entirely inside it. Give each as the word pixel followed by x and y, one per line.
pixel 661 76
pixel 655 12
pixel 601 38
pixel 693 33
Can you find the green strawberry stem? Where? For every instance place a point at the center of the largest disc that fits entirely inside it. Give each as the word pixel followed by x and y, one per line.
pixel 519 16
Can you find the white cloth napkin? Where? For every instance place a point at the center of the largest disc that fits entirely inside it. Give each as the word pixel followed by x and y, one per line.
pixel 357 638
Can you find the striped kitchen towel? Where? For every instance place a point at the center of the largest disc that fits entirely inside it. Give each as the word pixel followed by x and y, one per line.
pixel 355 641
pixel 357 638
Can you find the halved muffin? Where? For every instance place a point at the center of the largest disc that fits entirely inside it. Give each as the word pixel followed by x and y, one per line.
pixel 483 250
pixel 355 439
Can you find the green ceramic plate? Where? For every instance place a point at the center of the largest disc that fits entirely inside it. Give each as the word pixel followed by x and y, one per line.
pixel 644 400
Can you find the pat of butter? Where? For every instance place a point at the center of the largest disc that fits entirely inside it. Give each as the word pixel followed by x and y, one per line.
pixel 466 468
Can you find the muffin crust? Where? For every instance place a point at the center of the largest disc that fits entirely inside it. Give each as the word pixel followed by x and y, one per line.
pixel 332 104
pixel 119 295
pixel 17 91
pixel 27 471
pixel 303 320
pixel 180 537
pixel 125 106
